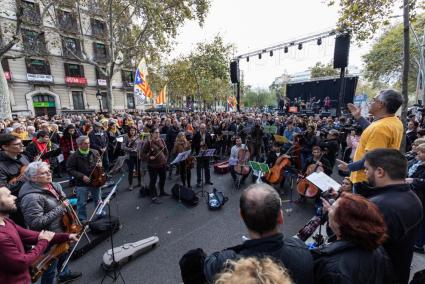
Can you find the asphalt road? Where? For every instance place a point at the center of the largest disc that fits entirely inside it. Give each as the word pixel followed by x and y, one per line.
pixel 179 229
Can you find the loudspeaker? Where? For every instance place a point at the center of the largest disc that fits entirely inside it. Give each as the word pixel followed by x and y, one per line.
pixel 342 50
pixel 234 72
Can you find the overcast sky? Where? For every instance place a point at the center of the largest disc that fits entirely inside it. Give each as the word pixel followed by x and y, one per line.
pixel 252 25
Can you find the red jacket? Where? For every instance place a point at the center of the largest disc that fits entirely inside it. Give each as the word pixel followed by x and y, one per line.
pixel 14 261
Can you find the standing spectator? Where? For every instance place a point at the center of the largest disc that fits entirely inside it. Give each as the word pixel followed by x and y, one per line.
pixel 202 141
pixel 99 142
pixel 401 207
pixel 411 134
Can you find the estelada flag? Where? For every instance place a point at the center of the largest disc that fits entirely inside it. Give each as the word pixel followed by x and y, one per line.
pixel 160 100
pixel 141 86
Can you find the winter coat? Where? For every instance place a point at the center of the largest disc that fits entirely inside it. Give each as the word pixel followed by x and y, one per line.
pixel 291 252
pixel 157 149
pixel 343 262
pixel 41 209
pixel 98 140
pixel 79 165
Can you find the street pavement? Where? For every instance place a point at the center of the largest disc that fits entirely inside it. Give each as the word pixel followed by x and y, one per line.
pixel 179 229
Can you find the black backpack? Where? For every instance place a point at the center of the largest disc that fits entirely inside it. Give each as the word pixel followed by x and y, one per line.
pixel 216 199
pixel 185 194
pixel 101 224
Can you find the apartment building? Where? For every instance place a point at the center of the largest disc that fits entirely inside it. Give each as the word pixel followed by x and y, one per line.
pixel 47 79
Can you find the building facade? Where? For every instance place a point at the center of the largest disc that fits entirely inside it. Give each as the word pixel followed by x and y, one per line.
pixel 46 78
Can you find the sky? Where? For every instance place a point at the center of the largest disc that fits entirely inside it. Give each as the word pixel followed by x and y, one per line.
pixel 252 25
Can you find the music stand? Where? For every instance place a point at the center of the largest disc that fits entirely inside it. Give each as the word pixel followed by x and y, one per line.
pixel 180 158
pixel 204 154
pixel 115 269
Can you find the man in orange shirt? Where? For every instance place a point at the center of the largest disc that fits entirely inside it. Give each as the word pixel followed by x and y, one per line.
pixel 386 131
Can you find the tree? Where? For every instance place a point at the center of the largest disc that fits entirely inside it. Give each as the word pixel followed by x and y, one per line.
pixel 258 97
pixel 363 18
pixel 382 65
pixel 322 70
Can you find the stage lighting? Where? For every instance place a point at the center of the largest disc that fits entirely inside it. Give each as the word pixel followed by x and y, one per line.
pixel 247 59
pixel 271 52
pixel 259 56
pixel 285 49
pixel 319 41
pixel 300 46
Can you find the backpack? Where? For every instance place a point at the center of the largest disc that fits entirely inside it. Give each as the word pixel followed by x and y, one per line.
pixel 216 199
pixel 185 194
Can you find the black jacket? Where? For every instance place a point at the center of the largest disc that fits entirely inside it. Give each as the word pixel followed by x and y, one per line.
pixel 196 142
pixel 403 213
pixel 331 148
pixel 326 165
pixel 291 252
pixel 9 169
pixel 171 137
pixel 79 166
pixel 98 140
pixel 343 262
pixel 418 184
pixel 32 151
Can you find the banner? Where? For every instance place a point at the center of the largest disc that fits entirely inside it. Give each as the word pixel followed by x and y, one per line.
pixel 161 98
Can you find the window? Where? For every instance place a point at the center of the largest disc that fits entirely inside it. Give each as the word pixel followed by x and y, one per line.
pixel 127 78
pixel 30 13
pixel 71 45
pixel 130 101
pixel 98 28
pixel 78 99
pixel 67 21
pixel 74 70
pixel 37 66
pixel 33 42
pixel 43 98
pixel 5 65
pixel 100 75
pixel 100 52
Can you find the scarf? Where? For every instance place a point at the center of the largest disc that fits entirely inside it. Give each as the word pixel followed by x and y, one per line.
pixel 84 152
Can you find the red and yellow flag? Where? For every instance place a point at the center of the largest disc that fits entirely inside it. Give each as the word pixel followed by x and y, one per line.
pixel 161 98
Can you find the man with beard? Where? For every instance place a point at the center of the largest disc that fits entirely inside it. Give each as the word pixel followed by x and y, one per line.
pixel 402 210
pixel 14 260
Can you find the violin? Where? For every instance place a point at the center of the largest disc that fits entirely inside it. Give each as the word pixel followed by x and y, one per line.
pixel 276 174
pixel 242 167
pixel 20 176
pixel 72 225
pixel 306 188
pixel 98 176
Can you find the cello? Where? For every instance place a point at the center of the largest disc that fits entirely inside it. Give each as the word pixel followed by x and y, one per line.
pixel 306 188
pixel 72 225
pixel 242 168
pixel 275 175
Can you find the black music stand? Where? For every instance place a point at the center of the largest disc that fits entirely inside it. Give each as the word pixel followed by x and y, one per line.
pixel 115 270
pixel 204 154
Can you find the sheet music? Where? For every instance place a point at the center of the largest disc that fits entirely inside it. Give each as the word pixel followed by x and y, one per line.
pixel 323 181
pixel 181 157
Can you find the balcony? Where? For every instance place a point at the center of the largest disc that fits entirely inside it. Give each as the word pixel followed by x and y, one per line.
pixel 31 13
pixel 71 47
pixel 67 22
pixel 100 52
pixel 127 78
pixel 94 8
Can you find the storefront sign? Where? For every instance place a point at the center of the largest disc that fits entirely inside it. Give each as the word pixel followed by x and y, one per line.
pixel 101 82
pixel 7 75
pixel 43 104
pixel 81 81
pixel 40 78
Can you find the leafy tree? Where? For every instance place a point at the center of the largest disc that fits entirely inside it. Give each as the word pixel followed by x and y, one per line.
pixel 364 17
pixel 258 97
pixel 382 65
pixel 322 70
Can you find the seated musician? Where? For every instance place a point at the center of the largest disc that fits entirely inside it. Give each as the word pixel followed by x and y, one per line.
pixel 273 154
pixel 43 208
pixel 14 260
pixel 12 163
pixel 234 158
pixel 319 160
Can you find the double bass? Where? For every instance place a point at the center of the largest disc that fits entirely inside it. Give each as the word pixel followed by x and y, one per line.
pixel 242 168
pixel 72 225
pixel 306 188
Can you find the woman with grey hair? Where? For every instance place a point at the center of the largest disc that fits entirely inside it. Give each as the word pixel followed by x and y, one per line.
pixel 42 204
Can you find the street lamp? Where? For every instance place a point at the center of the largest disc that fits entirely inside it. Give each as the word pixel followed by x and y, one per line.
pixel 99 98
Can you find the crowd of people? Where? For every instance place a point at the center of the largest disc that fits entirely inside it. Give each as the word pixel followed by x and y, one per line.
pixel 376 220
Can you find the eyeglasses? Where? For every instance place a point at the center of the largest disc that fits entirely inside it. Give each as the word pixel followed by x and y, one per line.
pixel 17 144
pixel 47 173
